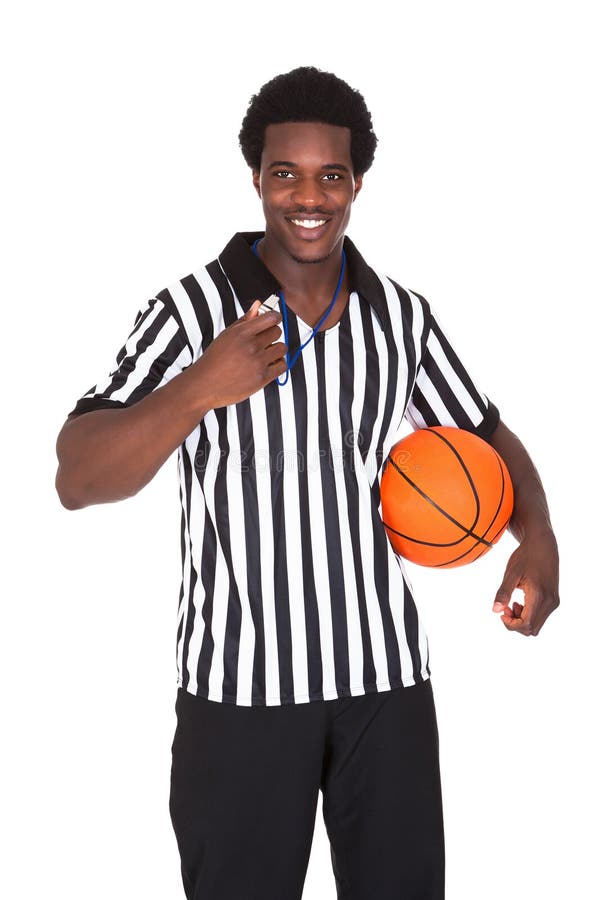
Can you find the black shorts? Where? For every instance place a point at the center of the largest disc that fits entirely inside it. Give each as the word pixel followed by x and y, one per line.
pixel 244 790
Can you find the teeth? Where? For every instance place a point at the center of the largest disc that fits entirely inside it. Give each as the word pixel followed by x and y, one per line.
pixel 308 223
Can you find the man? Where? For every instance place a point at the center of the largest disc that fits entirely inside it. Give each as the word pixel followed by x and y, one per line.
pixel 301 662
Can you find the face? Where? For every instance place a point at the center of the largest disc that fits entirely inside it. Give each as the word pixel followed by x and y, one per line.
pixel 307 187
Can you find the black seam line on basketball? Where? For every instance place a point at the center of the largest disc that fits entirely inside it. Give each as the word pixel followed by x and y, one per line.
pixel 496 535
pixel 500 503
pixel 433 543
pixel 468 531
pixel 465 470
pixel 501 529
pixel 451 562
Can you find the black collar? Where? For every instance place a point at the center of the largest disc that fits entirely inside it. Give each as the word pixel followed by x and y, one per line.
pixel 251 279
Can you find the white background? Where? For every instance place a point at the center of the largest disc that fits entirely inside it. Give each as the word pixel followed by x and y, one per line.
pixel 489 195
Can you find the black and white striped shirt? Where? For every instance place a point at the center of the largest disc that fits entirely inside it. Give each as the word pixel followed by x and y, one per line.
pixel 291 591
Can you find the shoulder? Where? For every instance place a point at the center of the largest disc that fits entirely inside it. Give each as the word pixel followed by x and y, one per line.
pixel 408 303
pixel 195 300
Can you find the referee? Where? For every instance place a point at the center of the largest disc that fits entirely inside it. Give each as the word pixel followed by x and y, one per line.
pixel 280 373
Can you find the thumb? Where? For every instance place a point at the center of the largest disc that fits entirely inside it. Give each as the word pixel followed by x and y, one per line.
pixel 503 595
pixel 252 311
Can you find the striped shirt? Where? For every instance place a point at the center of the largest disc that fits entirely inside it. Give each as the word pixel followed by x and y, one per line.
pixel 291 591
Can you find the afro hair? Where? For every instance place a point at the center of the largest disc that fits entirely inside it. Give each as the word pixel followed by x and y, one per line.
pixel 308 94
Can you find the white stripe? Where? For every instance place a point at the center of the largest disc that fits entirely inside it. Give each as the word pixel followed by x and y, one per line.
pixel 221 573
pixel 417 324
pixel 454 382
pixel 293 461
pixel 104 381
pixel 184 307
pixel 338 449
pixel 433 398
pixel 213 299
pixel 146 360
pixel 371 462
pixel 395 575
pixel 401 574
pixel 183 606
pixel 413 415
pixel 403 373
pixel 374 615
pixel 267 545
pixel 317 518
pixel 237 542
pixel 196 529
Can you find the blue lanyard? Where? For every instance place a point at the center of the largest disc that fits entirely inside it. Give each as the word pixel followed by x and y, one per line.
pixel 290 362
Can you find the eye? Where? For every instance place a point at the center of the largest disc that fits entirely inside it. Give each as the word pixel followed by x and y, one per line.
pixel 333 176
pixel 283 173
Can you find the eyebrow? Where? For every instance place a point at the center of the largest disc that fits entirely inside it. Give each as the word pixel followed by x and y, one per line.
pixel 292 165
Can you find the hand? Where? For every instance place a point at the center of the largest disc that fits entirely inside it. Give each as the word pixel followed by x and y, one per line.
pixel 243 358
pixel 532 567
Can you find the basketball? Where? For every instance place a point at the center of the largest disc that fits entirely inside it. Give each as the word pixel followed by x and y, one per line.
pixel 446 497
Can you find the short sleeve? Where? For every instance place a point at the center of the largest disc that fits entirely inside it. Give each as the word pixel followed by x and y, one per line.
pixel 444 393
pixel 156 350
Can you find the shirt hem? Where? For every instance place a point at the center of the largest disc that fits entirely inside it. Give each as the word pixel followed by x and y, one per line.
pixel 352 691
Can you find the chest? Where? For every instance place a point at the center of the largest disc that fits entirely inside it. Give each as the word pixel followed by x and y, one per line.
pixel 342 399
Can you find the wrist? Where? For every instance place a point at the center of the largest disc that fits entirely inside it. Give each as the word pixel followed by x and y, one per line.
pixel 540 531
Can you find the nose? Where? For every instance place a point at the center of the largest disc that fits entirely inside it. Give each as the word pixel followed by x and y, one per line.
pixel 309 192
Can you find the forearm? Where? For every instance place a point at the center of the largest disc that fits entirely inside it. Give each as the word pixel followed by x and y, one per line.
pixel 531 513
pixel 110 454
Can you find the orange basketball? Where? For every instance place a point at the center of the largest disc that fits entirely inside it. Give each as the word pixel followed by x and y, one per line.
pixel 446 497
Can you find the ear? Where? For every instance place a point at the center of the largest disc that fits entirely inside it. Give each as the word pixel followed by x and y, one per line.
pixel 358 184
pixel 256 180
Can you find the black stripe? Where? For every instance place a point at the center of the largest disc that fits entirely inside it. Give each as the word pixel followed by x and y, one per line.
pixel 372 382
pixel 350 440
pixel 126 364
pixel 200 305
pixel 158 369
pixel 406 339
pixel 312 619
pixel 143 314
pixel 459 369
pixel 278 536
pixel 252 528
pixel 334 560
pixel 233 622
pixel 207 565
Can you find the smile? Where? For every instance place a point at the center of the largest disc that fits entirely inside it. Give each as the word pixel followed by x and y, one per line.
pixel 309 223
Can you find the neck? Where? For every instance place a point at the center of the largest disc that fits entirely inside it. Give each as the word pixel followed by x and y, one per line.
pixel 313 280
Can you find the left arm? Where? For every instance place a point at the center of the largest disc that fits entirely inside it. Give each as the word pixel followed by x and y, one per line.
pixel 533 566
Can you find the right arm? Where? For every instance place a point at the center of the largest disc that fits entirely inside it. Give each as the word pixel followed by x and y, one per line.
pixel 110 454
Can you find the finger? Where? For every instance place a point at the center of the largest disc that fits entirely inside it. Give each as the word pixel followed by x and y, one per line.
pixel 254 323
pixel 267 337
pixel 515 612
pixel 521 623
pixel 502 598
pixel 275 352
pixel 275 369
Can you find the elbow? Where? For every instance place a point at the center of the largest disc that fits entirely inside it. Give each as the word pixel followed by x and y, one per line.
pixel 68 497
